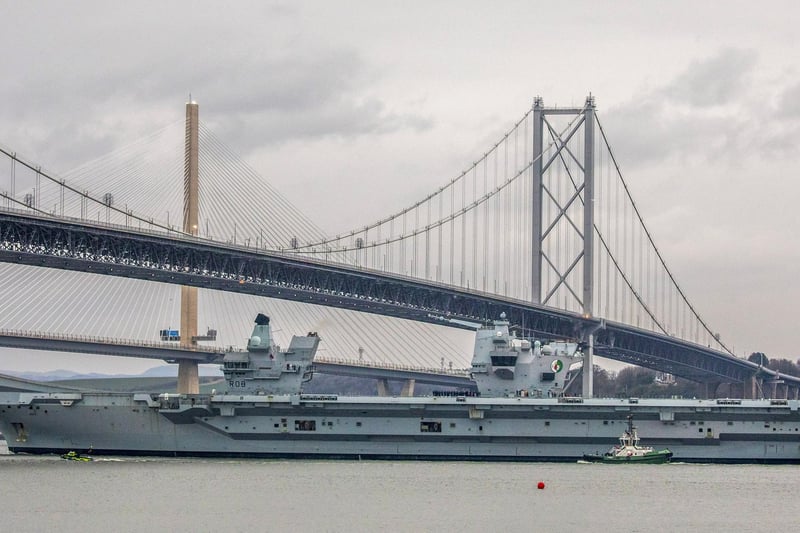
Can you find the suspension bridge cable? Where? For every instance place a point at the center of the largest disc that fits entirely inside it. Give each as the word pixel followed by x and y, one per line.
pixel 62 183
pixel 450 217
pixel 438 191
pixel 652 243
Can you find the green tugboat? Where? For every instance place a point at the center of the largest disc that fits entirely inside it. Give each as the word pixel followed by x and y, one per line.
pixel 629 451
pixel 75 456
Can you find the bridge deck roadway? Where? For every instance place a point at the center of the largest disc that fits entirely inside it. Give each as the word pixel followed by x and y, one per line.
pixel 71 244
pixel 172 354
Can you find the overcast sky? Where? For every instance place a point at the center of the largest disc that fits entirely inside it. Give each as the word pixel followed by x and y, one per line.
pixel 372 105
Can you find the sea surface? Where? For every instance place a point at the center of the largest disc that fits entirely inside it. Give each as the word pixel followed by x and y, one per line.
pixel 47 493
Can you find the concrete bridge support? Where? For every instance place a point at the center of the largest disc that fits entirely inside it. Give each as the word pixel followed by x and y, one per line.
pixel 732 390
pixel 711 389
pixel 188 374
pixel 407 390
pixel 741 389
pixel 783 391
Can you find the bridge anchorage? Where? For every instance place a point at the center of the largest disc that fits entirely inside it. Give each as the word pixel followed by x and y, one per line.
pixel 542 227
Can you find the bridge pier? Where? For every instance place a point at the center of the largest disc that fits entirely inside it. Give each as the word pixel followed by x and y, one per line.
pixel 740 389
pixel 711 389
pixel 727 390
pixel 188 377
pixel 406 391
pixel 408 388
pixel 784 391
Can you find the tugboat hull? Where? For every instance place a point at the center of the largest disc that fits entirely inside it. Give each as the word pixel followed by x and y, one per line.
pixel 654 458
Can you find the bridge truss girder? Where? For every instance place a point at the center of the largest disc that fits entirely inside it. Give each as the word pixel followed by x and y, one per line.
pixel 693 362
pixel 39 241
pixel 119 251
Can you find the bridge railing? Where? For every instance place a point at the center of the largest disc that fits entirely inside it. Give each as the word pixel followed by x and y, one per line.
pixel 220 350
pixel 107 340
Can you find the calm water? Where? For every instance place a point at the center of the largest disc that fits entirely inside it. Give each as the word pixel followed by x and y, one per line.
pixel 130 494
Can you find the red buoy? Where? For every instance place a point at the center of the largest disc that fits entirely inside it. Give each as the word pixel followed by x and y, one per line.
pixel 540 486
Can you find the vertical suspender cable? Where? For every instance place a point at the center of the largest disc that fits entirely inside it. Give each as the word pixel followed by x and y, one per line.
pixel 452 235
pixel 486 221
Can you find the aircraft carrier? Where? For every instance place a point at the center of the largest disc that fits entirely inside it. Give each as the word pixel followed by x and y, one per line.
pixel 520 413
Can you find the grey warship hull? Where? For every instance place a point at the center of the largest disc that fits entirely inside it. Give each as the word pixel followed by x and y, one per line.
pixel 522 414
pixel 432 428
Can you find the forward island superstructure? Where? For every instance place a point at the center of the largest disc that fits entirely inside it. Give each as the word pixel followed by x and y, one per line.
pixel 522 412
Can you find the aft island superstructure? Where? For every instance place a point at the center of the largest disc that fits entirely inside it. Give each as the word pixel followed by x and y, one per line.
pixel 520 413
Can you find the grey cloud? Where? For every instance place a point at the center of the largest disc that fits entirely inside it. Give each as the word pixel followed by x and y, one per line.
pixel 262 98
pixel 780 142
pixel 652 130
pixel 781 124
pixel 789 102
pixel 342 119
pixel 257 84
pixel 282 99
pixel 713 81
pixel 683 118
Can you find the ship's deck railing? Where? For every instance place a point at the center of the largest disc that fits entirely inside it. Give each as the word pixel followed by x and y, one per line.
pixel 462 372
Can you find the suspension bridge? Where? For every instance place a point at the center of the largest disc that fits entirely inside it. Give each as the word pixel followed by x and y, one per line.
pixel 541 226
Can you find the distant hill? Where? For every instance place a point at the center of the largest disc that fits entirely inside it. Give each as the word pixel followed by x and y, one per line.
pixel 162 371
pixel 141 384
pixel 57 375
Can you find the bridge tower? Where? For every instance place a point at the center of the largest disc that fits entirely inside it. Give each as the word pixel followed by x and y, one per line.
pixel 188 375
pixel 582 176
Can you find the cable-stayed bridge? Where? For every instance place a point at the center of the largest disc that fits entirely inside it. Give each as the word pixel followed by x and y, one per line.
pixel 541 226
